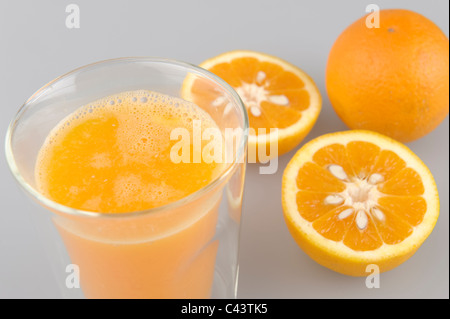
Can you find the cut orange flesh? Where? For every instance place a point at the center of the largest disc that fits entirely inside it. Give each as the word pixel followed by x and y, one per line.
pixel 276 94
pixel 356 198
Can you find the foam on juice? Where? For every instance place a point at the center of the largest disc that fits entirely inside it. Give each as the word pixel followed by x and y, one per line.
pixel 113 155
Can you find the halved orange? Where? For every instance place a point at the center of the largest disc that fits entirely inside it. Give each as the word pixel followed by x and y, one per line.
pixel 277 95
pixel 355 198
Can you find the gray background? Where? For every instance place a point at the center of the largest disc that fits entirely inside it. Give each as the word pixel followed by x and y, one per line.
pixel 36 47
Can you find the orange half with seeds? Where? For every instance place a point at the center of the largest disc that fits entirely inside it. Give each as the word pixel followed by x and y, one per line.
pixel 355 198
pixel 277 95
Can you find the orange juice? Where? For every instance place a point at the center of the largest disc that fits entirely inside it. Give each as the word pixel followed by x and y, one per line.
pixel 112 156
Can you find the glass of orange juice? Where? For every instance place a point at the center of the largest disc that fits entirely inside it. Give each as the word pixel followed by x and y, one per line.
pixel 137 166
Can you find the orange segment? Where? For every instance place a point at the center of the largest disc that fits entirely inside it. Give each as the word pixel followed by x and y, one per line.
pixel 245 68
pixel 406 183
pixel 280 116
pixel 388 164
pixel 413 207
pixel 312 205
pixel 316 179
pixel 358 240
pixel 356 198
pixel 362 157
pixel 205 92
pixel 276 94
pixel 227 71
pixel 286 81
pixel 392 228
pixel 331 226
pixel 299 99
pixel 333 154
pixel 263 121
pixel 270 69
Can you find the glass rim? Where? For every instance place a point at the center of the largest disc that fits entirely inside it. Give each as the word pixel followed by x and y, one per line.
pixel 10 158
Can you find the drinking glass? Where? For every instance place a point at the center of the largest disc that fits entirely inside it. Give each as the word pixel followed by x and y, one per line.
pixel 185 249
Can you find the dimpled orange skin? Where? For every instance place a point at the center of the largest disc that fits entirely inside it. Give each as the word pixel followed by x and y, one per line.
pixel 393 79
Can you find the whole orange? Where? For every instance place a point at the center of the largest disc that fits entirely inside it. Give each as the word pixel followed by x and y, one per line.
pixel 392 79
